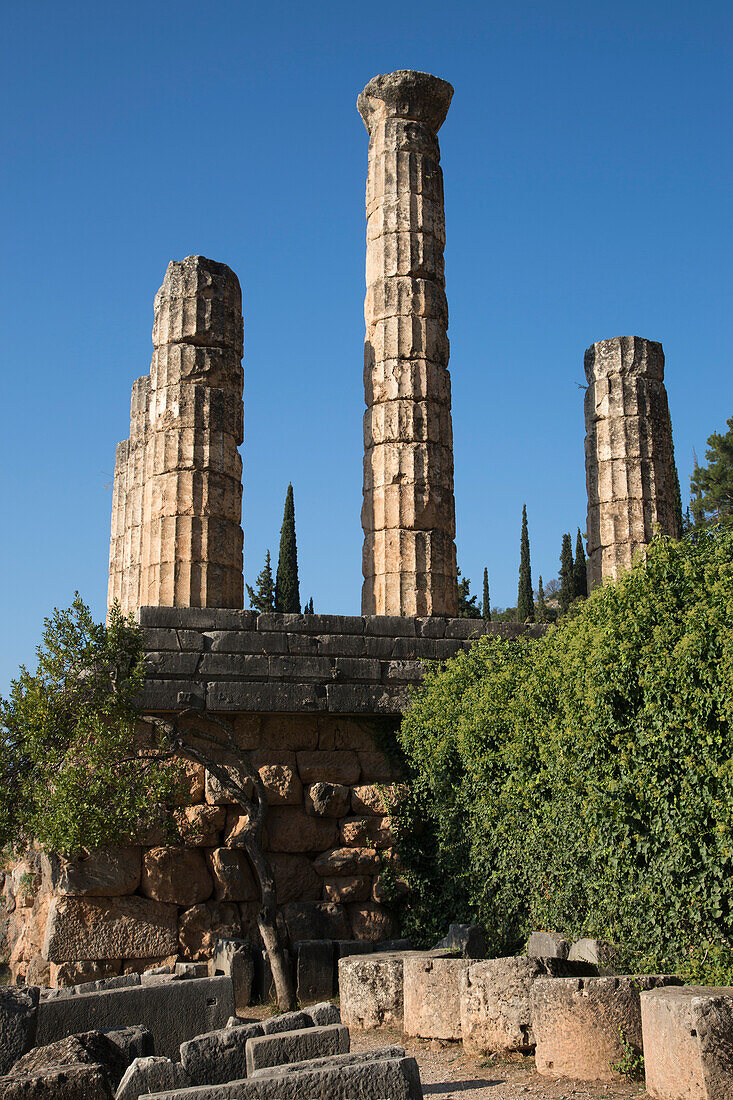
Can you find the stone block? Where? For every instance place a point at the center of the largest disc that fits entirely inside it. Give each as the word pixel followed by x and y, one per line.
pixel 235 959
pixel 688 1042
pixel 313 970
pixel 432 994
pixel 117 981
pixel 548 945
pixel 296 1046
pixel 347 861
pixel 376 768
pixel 232 875
pixel 177 875
pixel 289 829
pixel 191 970
pixel 218 1056
pixel 134 1041
pixel 596 952
pixel 200 826
pixel 469 939
pixel 58 1083
pixel 295 878
pixel 18 1020
pixel 366 832
pixel 326 799
pixel 371 990
pixel 173 1011
pixel 370 922
pixel 288 698
pixel 104 872
pixel 339 766
pixel 324 1013
pixel 347 888
pixel 316 921
pixel 123 928
pixel 286 1021
pixel 496 1001
pixel 89 1048
pixel 584 1026
pixel 375 798
pixel 146 1075
pixel 334 1061
pixel 201 926
pixel 390 626
pixel 329 1079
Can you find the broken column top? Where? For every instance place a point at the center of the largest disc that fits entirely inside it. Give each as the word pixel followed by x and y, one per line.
pixel 405 94
pixel 199 303
pixel 627 355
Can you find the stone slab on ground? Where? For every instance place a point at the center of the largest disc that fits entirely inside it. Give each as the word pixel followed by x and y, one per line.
pixel 133 1041
pixel 496 1000
pixel 90 1048
pixel 432 994
pixel 151 1075
pixel 351 1058
pixel 286 1021
pixel 173 1011
pixel 688 1042
pixel 583 1026
pixel 371 989
pixel 219 1056
pixel 58 1083
pixel 296 1046
pixel 118 981
pixel 324 1013
pixel 395 1078
pixel 18 1021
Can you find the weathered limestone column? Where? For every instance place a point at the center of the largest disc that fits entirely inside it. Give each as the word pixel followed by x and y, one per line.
pixel 176 521
pixel 629 459
pixel 408 513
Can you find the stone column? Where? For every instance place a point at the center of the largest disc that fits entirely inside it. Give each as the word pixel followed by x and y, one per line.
pixel 408 513
pixel 176 523
pixel 629 459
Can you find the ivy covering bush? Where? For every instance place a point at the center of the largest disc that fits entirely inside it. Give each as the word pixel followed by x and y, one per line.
pixel 583 782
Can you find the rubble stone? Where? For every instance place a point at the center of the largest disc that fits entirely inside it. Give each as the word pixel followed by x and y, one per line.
pixel 89 1048
pixel 58 1083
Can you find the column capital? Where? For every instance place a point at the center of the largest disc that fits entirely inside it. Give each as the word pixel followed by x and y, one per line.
pixel 627 355
pixel 405 94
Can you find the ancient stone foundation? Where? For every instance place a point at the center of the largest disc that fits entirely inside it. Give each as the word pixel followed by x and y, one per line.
pixel 177 498
pixel 408 514
pixel 629 460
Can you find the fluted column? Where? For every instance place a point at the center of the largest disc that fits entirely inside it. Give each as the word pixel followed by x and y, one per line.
pixel 629 458
pixel 408 513
pixel 176 524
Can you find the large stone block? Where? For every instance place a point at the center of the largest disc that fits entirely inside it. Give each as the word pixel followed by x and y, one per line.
pixel 218 1056
pixel 200 927
pixel 104 872
pixel 18 1020
pixel 496 1001
pixel 433 997
pixel 88 1048
pixel 232 874
pixel 58 1083
pixel 314 970
pixel 688 1042
pixel 295 878
pixel 235 959
pixel 291 830
pixel 177 875
pixel 339 766
pixel 316 921
pixel 123 928
pixel 548 945
pixel 296 1046
pixel 172 1011
pixel 584 1026
pixel 371 990
pixel 146 1075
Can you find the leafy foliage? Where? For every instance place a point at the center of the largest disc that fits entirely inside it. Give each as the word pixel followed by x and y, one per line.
pixel 74 770
pixel 467 604
pixel 583 781
pixel 287 589
pixel 567 574
pixel 486 601
pixel 712 485
pixel 541 606
pixel 264 598
pixel 580 575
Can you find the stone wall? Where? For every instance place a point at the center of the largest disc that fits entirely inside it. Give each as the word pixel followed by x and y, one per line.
pixel 309 697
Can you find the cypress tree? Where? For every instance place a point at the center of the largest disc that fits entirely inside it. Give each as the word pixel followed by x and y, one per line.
pixel 486 603
pixel 541 605
pixel 287 590
pixel 567 579
pixel 308 609
pixel 264 598
pixel 580 575
pixel 525 602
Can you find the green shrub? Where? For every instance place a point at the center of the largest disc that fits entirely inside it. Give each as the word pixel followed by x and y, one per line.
pixel 583 782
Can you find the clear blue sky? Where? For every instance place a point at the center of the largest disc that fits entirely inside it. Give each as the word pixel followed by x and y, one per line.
pixel 587 162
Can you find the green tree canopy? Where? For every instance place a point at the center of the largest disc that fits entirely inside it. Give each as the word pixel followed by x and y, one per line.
pixel 486 601
pixel 583 781
pixel 711 485
pixel 541 606
pixel 525 601
pixel 467 604
pixel 264 598
pixel 287 588
pixel 580 575
pixel 566 594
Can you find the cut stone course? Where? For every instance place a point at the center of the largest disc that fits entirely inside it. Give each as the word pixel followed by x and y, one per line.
pixel 585 1026
pixel 296 1046
pixel 120 928
pixel 688 1042
pixel 106 872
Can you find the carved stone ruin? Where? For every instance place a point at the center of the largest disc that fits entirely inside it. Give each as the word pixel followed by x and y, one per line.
pixel 629 460
pixel 176 515
pixel 408 514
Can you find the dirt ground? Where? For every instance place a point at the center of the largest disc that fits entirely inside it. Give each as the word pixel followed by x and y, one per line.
pixel 445 1071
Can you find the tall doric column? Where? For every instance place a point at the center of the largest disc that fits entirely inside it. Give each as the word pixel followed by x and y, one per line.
pixel 629 459
pixel 408 513
pixel 176 522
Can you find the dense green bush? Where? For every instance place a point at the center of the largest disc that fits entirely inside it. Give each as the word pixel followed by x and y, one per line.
pixel 583 782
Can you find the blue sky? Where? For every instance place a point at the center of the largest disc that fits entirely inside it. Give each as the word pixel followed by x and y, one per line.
pixel 587 162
